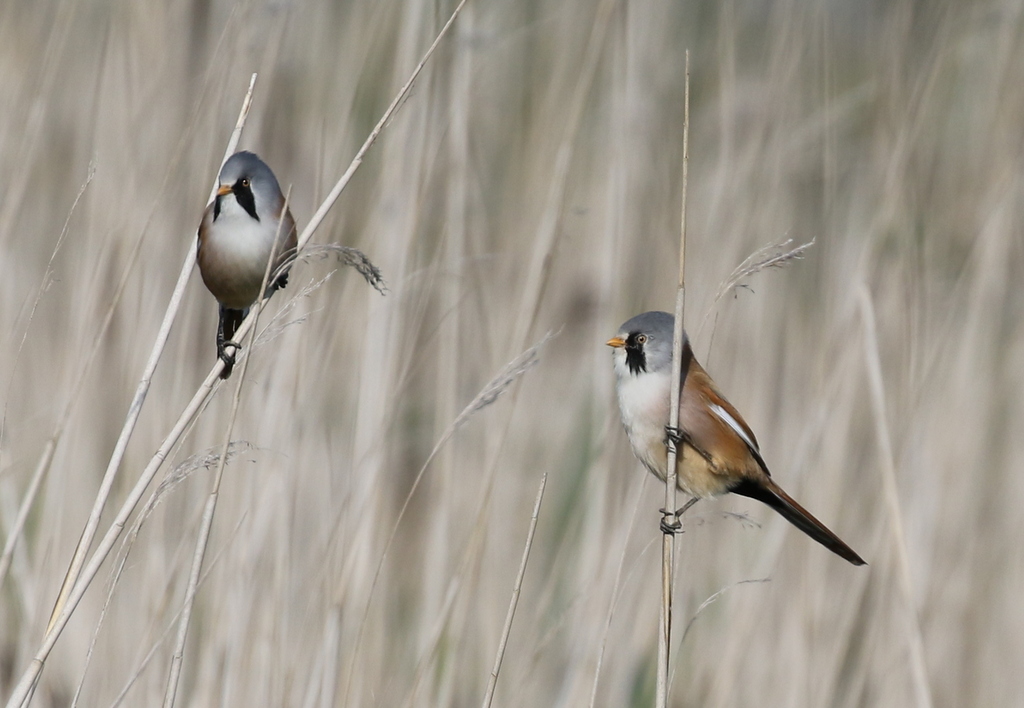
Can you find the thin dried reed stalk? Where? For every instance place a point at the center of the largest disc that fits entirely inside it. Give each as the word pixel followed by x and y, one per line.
pixel 78 579
pixel 51 445
pixel 177 655
pixel 674 451
pixel 892 500
pixel 67 599
pixel 517 586
pixel 135 409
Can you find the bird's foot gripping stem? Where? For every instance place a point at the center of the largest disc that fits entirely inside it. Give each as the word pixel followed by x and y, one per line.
pixel 670 520
pixel 226 352
pixel 675 438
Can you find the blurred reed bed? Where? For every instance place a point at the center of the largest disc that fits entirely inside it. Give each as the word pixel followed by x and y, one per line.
pixel 529 185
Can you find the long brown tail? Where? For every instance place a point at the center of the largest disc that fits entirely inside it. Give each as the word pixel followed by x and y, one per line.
pixel 772 495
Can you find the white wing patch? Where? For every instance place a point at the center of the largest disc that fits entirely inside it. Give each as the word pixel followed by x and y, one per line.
pixel 732 423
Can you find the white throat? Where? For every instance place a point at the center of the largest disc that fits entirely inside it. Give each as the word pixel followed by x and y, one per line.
pixel 644 404
pixel 237 233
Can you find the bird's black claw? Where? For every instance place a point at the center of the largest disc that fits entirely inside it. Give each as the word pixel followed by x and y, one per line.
pixel 674 434
pixel 224 354
pixel 670 528
pixel 228 357
pixel 675 525
pixel 674 438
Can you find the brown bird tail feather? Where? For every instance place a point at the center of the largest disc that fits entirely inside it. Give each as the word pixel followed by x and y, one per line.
pixel 772 495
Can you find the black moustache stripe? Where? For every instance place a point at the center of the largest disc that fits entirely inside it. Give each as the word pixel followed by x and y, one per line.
pixel 245 199
pixel 636 360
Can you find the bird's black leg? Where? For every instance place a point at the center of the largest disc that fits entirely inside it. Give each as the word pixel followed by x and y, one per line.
pixel 677 436
pixel 675 525
pixel 226 327
pixel 226 355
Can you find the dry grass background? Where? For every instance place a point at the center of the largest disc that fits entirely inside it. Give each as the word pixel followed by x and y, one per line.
pixel 889 132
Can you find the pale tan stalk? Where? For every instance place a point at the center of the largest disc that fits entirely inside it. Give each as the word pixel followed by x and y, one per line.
pixel 496 387
pixel 177 656
pixel 616 591
pixel 492 680
pixel 61 608
pixel 72 593
pixel 332 197
pixel 668 539
pixel 75 569
pixel 887 464
pixel 536 280
pixel 51 445
pixel 46 458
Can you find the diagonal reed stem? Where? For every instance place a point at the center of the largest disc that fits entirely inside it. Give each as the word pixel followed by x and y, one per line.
pixel 91 526
pixel 67 598
pixel 492 680
pixel 73 592
pixel 178 655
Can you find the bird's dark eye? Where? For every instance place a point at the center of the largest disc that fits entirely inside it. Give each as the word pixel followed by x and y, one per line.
pixel 245 181
pixel 641 339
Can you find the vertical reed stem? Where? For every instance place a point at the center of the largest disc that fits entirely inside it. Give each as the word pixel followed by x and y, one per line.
pixel 668 539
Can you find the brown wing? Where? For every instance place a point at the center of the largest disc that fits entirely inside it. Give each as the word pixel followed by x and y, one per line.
pixel 203 256
pixel 715 427
pixel 287 250
pixel 204 225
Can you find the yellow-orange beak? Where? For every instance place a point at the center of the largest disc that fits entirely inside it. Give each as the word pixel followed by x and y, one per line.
pixel 617 342
pixel 224 189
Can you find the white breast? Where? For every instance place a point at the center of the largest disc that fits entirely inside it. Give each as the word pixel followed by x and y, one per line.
pixel 238 248
pixel 240 237
pixel 644 404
